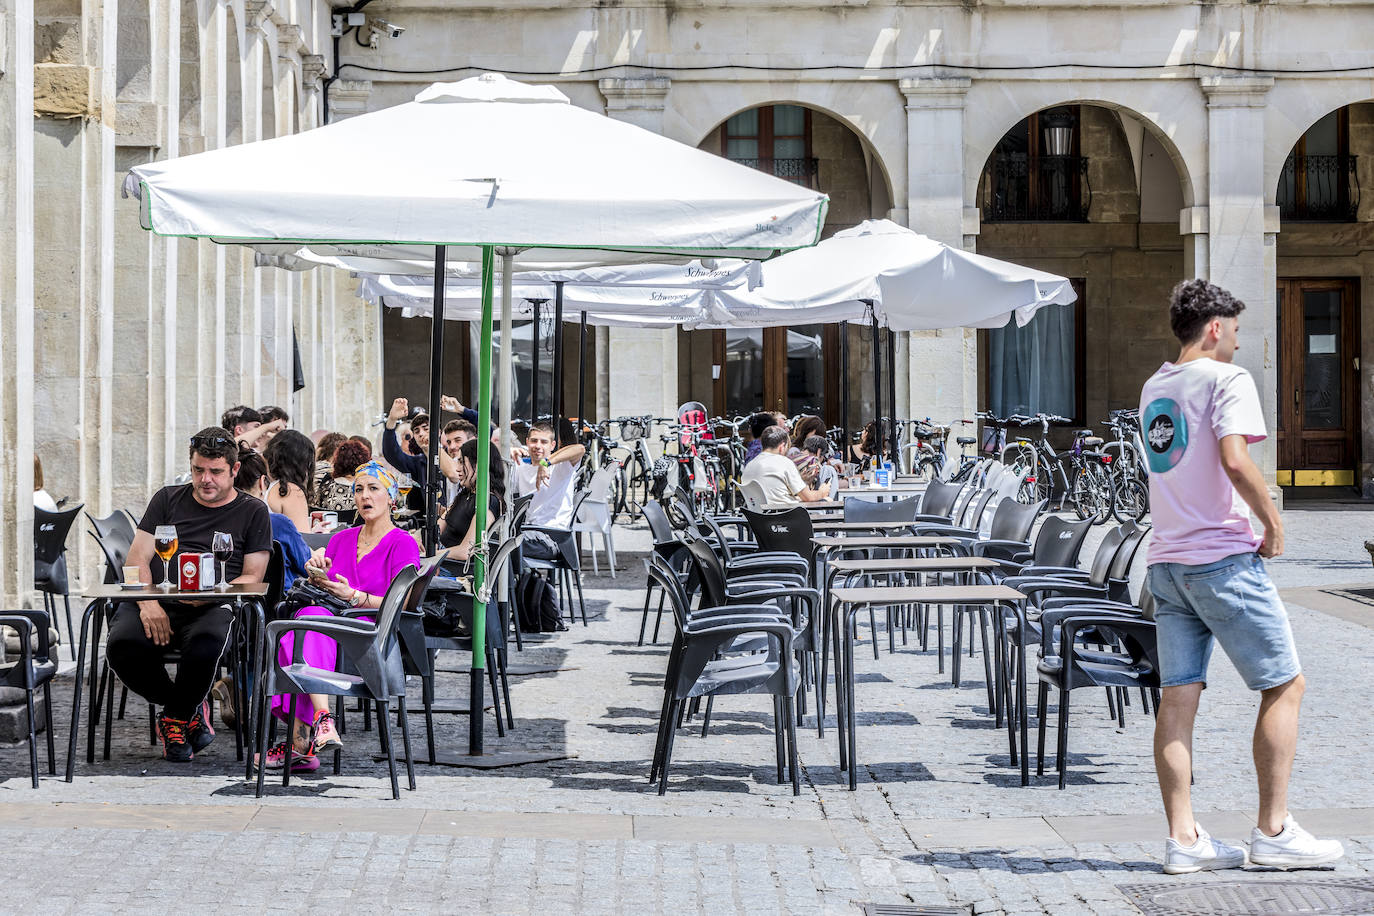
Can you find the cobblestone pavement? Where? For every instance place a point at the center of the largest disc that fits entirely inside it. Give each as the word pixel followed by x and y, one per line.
pixel 939 817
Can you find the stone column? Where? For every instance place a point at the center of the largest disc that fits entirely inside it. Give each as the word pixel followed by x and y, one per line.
pixel 942 365
pixel 642 372
pixel 16 299
pixel 1240 233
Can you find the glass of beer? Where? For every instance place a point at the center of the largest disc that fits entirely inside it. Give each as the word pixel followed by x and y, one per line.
pixel 165 543
pixel 403 487
pixel 222 546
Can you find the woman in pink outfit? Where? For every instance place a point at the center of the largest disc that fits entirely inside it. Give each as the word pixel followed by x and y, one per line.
pixel 357 566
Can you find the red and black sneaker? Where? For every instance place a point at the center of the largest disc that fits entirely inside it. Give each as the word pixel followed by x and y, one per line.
pixel 174 744
pixel 199 731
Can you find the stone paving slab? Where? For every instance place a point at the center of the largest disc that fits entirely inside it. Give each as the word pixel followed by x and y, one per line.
pixel 939 816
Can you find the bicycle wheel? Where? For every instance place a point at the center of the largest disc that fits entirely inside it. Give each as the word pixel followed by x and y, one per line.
pixel 1130 500
pixel 616 497
pixel 927 469
pixel 1092 496
pixel 637 485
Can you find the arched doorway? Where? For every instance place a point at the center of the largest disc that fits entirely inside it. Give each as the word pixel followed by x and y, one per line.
pixel 790 370
pixel 1090 192
pixel 1323 266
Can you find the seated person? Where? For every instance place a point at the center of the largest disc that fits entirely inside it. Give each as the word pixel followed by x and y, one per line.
pixel 356 566
pixel 873 443
pixel 336 493
pixel 291 464
pixel 456 432
pixel 806 463
pixel 550 475
pixel 252 479
pixel 757 424
pixel 325 450
pixel 42 499
pixel 818 447
pixel 141 633
pixel 777 476
pixel 458 528
pixel 412 457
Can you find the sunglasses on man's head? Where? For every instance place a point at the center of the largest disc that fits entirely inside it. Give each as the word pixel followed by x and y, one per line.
pixel 211 441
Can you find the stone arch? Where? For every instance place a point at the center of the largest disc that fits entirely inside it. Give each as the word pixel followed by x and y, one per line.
pixel 233 79
pixel 189 58
pixel 874 112
pixel 267 114
pixel 1292 110
pixel 1162 108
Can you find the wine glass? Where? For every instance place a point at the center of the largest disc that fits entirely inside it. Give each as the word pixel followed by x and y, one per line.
pixel 403 488
pixel 165 543
pixel 222 546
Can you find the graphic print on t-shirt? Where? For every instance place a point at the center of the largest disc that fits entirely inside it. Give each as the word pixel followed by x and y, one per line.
pixel 1166 434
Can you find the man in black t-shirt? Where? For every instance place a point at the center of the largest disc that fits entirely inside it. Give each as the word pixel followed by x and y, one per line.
pixel 142 632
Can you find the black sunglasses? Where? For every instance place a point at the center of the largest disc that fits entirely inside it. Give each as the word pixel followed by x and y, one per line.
pixel 210 441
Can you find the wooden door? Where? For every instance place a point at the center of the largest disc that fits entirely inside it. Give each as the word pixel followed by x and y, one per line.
pixel 1318 404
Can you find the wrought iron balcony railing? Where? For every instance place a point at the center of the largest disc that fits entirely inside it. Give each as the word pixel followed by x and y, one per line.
pixel 1319 189
pixel 801 171
pixel 1022 188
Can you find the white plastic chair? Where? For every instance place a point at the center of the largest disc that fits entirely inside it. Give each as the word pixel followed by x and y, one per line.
pixel 754 498
pixel 594 517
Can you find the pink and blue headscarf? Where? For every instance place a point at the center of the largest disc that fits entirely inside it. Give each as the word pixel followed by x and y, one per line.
pixel 383 475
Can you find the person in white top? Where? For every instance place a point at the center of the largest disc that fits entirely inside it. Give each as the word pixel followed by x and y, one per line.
pixel 777 475
pixel 1198 416
pixel 550 475
pixel 42 499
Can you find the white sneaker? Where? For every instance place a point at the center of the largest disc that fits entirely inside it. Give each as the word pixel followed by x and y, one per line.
pixel 1293 846
pixel 1206 854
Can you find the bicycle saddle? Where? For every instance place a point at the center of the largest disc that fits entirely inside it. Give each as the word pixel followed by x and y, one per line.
pixel 966 440
pixel 1092 441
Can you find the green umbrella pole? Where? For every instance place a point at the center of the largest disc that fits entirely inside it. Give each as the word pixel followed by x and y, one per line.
pixel 479 575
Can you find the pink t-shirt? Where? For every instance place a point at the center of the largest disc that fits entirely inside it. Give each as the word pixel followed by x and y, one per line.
pixel 1185 411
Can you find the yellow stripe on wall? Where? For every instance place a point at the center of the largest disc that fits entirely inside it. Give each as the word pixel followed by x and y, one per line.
pixel 1316 478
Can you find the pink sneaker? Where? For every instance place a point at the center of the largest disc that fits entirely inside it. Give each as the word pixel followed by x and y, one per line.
pixel 300 763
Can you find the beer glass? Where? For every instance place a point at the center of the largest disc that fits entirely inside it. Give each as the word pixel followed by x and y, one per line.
pixel 403 487
pixel 222 546
pixel 165 543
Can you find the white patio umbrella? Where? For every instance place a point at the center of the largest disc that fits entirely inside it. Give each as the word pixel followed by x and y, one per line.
pixel 457 173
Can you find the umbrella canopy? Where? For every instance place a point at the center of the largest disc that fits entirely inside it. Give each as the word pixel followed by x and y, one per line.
pixel 457 167
pixel 914 283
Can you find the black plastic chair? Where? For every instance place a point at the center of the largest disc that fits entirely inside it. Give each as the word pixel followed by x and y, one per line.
pixel 370 670
pixel 866 510
pixel 704 663
pixel 1066 665
pixel 50 531
pixel 115 535
pixel 33 669
pixel 419 649
pixel 937 502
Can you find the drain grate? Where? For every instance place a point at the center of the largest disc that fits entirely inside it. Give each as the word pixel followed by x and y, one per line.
pixel 914 909
pixel 1281 897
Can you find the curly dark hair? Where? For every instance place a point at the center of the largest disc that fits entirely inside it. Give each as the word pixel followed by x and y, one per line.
pixel 215 442
pixel 329 444
pixel 291 459
pixel 252 468
pixel 1194 303
pixel 874 440
pixel 761 421
pixel 805 428
pixel 350 456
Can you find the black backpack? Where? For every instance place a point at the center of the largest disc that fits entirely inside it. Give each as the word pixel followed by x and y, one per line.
pixel 536 604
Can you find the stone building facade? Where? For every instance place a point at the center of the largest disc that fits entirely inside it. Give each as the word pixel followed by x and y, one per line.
pixel 1227 140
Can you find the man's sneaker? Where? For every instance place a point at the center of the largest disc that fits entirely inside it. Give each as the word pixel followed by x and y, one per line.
pixel 199 731
pixel 175 747
pixel 1206 854
pixel 1292 847
pixel 223 693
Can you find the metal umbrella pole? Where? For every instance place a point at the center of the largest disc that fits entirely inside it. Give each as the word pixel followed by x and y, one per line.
pixel 436 368
pixel 476 682
pixel 534 360
pixel 582 371
pixel 877 378
pixel 844 391
pixel 557 358
pixel 892 397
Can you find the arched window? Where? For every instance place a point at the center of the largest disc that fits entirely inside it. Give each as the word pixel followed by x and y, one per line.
pixel 774 139
pixel 1037 173
pixel 1318 182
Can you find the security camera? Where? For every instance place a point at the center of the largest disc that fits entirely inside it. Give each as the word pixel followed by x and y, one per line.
pixel 389 29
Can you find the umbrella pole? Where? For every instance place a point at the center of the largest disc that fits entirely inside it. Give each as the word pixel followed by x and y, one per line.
pixel 436 368
pixel 877 381
pixel 844 391
pixel 503 372
pixel 476 682
pixel 892 396
pixel 558 359
pixel 582 372
pixel 534 353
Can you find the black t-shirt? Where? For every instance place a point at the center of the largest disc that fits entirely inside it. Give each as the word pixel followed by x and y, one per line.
pixel 460 515
pixel 244 518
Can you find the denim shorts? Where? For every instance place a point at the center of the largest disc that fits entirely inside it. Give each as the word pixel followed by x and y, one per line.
pixel 1233 600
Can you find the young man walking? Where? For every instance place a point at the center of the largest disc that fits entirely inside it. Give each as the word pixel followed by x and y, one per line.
pixel 1198 415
